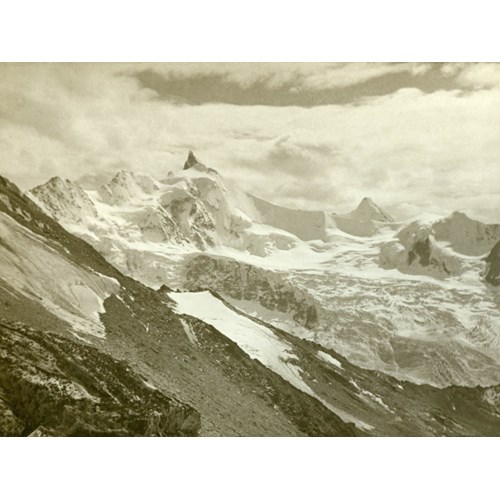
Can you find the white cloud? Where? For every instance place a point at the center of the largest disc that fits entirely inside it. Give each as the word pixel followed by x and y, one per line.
pixel 409 151
pixel 480 75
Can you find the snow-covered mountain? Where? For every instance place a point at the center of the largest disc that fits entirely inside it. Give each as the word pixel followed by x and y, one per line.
pixel 195 208
pixel 87 350
pixel 401 297
pixel 125 186
pixel 440 247
pixel 72 205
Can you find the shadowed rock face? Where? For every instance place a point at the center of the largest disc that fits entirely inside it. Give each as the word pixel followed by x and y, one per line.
pixel 191 161
pixel 493 270
pixel 246 282
pixel 421 251
pixel 50 385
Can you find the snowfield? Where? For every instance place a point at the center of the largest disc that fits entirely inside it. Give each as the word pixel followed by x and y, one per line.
pixel 256 340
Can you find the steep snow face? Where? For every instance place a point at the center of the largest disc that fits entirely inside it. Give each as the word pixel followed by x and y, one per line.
pixel 66 202
pixel 303 224
pixel 466 236
pixel 232 214
pixel 34 269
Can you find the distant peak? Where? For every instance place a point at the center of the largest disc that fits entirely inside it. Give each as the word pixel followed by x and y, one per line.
pixel 367 202
pixel 122 175
pixel 56 183
pixel 459 215
pixel 56 180
pixel 192 161
pixel 369 210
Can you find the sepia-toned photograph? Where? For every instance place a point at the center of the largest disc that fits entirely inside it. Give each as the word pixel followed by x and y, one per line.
pixel 250 249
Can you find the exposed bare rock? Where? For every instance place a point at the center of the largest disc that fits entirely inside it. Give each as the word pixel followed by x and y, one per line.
pixel 69 388
pixel 493 266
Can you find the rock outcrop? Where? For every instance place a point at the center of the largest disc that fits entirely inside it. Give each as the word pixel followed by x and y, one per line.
pixel 246 282
pixel 492 275
pixel 51 385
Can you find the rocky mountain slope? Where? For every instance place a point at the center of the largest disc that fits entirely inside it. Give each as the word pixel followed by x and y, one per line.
pixel 52 385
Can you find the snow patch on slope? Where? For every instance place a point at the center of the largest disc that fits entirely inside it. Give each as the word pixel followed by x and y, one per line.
pixel 258 341
pixel 73 294
pixel 329 359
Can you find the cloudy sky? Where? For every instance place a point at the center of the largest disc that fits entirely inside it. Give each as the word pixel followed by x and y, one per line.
pixel 415 137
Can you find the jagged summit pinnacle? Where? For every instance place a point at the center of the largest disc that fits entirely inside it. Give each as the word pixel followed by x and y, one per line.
pixel 192 161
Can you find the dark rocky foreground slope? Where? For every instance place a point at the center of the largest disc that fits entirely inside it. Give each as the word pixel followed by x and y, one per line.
pixel 51 385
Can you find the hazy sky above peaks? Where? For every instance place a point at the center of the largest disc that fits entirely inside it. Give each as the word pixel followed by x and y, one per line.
pixel 415 137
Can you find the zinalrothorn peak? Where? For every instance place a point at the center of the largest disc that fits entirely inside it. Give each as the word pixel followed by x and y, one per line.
pixel 192 161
